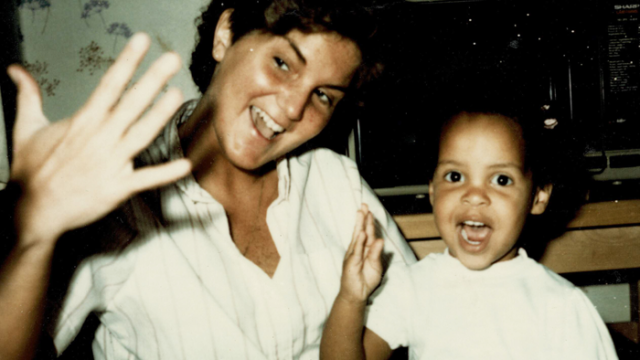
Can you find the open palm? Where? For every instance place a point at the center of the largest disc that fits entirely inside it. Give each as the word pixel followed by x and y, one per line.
pixel 74 171
pixel 362 267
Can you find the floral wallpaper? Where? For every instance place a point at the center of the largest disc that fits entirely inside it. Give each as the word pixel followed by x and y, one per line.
pixel 68 44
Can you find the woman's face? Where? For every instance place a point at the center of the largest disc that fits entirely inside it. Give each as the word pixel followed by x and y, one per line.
pixel 271 93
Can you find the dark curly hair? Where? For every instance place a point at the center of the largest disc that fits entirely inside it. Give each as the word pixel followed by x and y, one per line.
pixel 352 19
pixel 503 94
pixel 348 18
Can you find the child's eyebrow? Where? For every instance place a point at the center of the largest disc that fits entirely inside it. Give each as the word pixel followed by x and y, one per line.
pixel 506 165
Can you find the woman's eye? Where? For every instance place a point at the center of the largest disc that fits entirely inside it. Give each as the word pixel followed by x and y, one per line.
pixel 502 180
pixel 453 176
pixel 281 64
pixel 324 98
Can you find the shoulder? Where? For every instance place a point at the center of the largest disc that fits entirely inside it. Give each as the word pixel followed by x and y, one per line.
pixel 428 273
pixel 427 265
pixel 101 277
pixel 323 159
pixel 95 285
pixel 555 295
pixel 548 280
pixel 560 291
pixel 325 172
pixel 167 146
pixel 574 328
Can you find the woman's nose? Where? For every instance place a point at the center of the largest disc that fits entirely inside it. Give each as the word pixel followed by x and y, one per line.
pixel 293 101
pixel 475 196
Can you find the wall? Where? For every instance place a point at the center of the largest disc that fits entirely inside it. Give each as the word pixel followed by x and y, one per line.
pixel 68 45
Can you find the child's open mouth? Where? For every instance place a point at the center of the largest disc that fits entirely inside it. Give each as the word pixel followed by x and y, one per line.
pixel 474 232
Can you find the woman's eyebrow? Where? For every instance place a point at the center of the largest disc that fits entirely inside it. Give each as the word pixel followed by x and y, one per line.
pixel 296 49
pixel 301 57
pixel 343 89
pixel 448 162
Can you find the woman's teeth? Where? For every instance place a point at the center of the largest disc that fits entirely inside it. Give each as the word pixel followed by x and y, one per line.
pixel 265 124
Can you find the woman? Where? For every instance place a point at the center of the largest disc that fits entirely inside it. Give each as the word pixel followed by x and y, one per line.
pixel 242 259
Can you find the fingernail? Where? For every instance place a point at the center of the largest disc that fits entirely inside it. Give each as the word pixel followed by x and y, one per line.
pixel 13 75
pixel 172 60
pixel 139 41
pixel 185 165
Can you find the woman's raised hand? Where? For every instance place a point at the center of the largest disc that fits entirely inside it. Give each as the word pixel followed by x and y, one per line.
pixel 362 267
pixel 74 171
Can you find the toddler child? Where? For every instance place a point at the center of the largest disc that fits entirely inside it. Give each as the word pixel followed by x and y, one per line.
pixel 483 298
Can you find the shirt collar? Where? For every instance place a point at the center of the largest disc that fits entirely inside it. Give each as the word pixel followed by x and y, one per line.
pixel 188 184
pixel 509 268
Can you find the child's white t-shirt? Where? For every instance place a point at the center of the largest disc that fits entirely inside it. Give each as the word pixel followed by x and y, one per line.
pixel 517 309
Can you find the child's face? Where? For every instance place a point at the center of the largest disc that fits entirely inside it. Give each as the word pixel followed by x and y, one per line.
pixel 481 193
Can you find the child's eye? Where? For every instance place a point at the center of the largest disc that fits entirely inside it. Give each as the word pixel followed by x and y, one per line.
pixel 324 98
pixel 453 176
pixel 281 64
pixel 502 180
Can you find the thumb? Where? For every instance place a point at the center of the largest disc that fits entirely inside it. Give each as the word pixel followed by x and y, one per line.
pixel 29 116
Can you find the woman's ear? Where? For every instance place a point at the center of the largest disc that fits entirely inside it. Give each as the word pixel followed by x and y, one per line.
pixel 541 199
pixel 223 36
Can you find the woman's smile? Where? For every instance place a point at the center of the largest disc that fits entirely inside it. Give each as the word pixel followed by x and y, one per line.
pixel 273 93
pixel 264 124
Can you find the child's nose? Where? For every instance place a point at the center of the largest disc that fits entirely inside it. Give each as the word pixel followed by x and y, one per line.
pixel 476 196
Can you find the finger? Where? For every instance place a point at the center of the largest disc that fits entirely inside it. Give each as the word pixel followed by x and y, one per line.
pixel 29 116
pixel 375 253
pixel 137 99
pixel 159 175
pixel 357 229
pixel 142 133
pixel 358 250
pixel 370 229
pixel 365 208
pixel 360 218
pixel 115 80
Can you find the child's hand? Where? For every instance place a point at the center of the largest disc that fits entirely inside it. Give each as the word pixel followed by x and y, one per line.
pixel 362 267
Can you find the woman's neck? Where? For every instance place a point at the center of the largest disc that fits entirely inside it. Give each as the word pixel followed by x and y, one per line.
pixel 213 172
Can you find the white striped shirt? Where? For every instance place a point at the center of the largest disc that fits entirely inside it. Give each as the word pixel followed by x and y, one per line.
pixel 183 290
